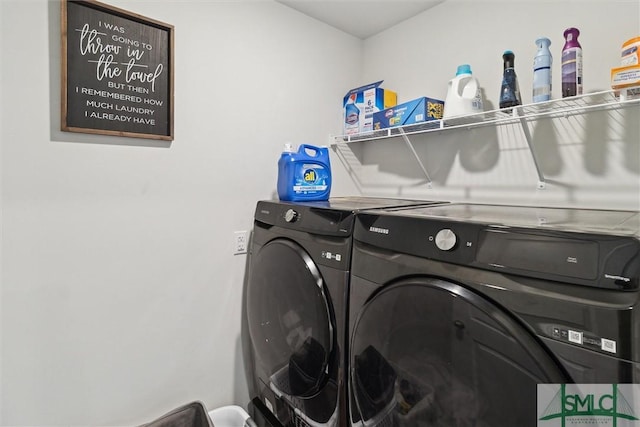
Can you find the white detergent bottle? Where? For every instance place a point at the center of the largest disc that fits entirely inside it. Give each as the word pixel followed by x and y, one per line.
pixel 463 94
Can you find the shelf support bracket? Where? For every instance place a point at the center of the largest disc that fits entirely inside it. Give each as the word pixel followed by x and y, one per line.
pixel 415 155
pixel 527 134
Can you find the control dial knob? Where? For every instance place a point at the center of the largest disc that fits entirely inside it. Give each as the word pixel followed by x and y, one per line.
pixel 446 239
pixel 291 215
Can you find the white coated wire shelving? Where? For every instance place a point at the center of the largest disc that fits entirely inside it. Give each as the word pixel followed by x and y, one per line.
pixel 522 114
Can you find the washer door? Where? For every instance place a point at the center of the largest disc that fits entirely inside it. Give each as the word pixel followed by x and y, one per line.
pixel 426 352
pixel 289 318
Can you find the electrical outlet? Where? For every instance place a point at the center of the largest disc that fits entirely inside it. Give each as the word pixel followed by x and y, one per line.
pixel 240 242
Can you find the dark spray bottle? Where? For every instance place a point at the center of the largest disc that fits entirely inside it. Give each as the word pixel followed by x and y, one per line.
pixel 509 92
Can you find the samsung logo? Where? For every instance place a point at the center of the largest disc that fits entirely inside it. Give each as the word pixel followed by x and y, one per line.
pixel 624 279
pixel 379 230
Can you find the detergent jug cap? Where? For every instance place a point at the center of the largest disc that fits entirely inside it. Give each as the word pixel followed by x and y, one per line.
pixel 288 147
pixel 463 69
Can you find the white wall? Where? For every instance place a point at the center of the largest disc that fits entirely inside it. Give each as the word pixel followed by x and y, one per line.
pixel 120 296
pixel 591 160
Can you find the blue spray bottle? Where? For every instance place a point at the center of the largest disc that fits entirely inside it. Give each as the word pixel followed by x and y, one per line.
pixel 542 71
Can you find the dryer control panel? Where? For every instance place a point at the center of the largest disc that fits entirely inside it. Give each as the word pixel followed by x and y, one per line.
pixel 319 221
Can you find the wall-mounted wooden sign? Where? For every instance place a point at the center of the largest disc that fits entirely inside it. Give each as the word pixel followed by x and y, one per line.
pixel 117 72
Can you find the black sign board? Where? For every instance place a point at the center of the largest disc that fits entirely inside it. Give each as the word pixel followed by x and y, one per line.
pixel 117 72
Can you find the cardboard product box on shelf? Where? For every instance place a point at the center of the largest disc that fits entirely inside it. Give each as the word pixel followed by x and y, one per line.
pixel 412 112
pixel 625 77
pixel 361 103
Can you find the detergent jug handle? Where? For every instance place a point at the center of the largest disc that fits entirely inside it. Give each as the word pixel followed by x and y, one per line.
pixel 306 148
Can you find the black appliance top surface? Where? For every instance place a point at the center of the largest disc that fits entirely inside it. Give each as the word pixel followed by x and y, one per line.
pixel 623 223
pixel 356 203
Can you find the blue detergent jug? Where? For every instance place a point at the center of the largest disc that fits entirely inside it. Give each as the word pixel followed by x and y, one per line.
pixel 304 175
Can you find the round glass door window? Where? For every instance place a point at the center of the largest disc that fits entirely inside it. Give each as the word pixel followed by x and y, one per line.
pixel 427 352
pixel 289 318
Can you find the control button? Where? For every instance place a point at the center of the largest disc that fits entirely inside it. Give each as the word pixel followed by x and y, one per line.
pixel 291 216
pixel 446 239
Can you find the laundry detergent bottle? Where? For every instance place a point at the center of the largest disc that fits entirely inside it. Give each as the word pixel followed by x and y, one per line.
pixel 304 175
pixel 463 94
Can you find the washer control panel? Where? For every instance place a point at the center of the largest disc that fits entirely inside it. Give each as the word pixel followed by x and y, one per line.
pixel 601 260
pixel 442 240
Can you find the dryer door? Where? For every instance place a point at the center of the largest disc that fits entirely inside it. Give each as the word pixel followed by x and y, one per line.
pixel 289 318
pixel 426 352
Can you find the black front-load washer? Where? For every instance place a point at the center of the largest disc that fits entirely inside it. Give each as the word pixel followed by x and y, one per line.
pixel 294 309
pixel 458 311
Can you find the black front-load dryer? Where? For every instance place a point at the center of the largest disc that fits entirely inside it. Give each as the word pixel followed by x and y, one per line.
pixel 294 309
pixel 457 312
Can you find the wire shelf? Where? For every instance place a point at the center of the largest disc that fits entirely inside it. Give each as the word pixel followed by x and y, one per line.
pixel 564 107
pixel 520 115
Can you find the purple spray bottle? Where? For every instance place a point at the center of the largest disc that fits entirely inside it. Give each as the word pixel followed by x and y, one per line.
pixel 571 64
